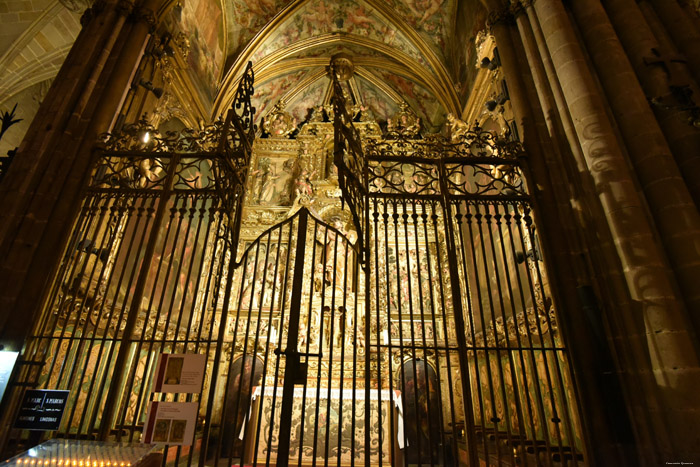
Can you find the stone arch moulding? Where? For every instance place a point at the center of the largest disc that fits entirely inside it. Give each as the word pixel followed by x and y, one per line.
pixel 436 76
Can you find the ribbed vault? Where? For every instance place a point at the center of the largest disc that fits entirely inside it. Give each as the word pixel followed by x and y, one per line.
pixel 404 52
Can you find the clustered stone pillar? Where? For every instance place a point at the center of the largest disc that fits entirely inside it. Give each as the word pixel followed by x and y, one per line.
pixel 629 173
pixel 40 192
pixel 675 213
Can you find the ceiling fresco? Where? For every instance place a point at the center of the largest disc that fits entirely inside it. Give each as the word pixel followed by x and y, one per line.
pixel 352 17
pixel 431 18
pixel 308 98
pixel 340 47
pixel 269 93
pixel 471 19
pixel 381 105
pixel 245 18
pixel 404 51
pixel 206 41
pixel 422 101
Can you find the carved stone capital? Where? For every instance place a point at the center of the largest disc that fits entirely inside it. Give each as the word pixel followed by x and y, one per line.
pixel 517 9
pixel 146 15
pixel 124 7
pixel 92 12
pixel 501 16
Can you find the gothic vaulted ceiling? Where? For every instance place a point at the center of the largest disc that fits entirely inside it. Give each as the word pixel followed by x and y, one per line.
pixel 415 51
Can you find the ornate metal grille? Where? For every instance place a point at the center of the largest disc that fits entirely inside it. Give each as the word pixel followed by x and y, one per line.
pixel 154 238
pixel 459 285
pixel 432 339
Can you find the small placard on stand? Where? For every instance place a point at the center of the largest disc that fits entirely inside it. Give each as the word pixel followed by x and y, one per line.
pixel 42 409
pixel 170 423
pixel 183 373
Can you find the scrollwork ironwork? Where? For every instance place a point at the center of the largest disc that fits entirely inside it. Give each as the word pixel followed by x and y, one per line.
pixel 143 138
pixel 400 177
pixel 471 163
pixel 484 180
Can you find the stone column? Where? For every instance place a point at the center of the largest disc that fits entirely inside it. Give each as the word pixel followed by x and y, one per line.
pixel 609 432
pixel 674 211
pixel 40 194
pixel 671 349
pixel 656 74
pixel 681 28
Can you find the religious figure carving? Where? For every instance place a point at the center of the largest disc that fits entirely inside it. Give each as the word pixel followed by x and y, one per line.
pixel 268 186
pixel 342 66
pixel 404 122
pixel 456 127
pixel 279 123
pixel 304 190
pixel 317 114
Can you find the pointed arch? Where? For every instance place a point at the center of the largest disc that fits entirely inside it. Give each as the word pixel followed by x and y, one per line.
pixel 436 78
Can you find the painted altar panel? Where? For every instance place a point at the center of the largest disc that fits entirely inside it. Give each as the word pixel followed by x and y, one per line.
pixel 272 181
pixel 326 424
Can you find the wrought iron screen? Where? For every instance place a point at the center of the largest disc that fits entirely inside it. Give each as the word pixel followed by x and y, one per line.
pixel 463 321
pixel 431 339
pixel 152 244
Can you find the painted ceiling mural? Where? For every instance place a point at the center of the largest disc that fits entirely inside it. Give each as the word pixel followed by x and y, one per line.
pixel 319 17
pixel 472 19
pixel 206 41
pixel 308 98
pixel 344 47
pixel 381 105
pixel 431 18
pixel 267 94
pixel 245 18
pixel 421 100
pixel 412 51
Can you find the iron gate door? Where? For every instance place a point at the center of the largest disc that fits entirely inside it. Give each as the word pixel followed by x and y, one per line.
pixel 292 382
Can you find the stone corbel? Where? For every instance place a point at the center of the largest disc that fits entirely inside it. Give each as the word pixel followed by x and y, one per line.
pixel 92 12
pixel 124 7
pixel 500 16
pixel 143 14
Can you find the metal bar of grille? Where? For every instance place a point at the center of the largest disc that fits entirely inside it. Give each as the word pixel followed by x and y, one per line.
pixel 292 339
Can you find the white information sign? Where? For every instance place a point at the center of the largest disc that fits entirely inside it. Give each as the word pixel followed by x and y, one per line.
pixel 179 373
pixel 170 423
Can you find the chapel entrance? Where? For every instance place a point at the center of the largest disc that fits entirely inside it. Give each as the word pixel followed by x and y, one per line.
pixel 293 386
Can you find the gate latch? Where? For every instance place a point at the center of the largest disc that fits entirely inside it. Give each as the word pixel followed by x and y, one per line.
pixel 295 368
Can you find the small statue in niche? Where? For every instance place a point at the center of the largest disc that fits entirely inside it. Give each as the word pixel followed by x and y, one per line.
pixel 304 188
pixel 259 176
pixel 268 189
pixel 360 338
pixel 366 114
